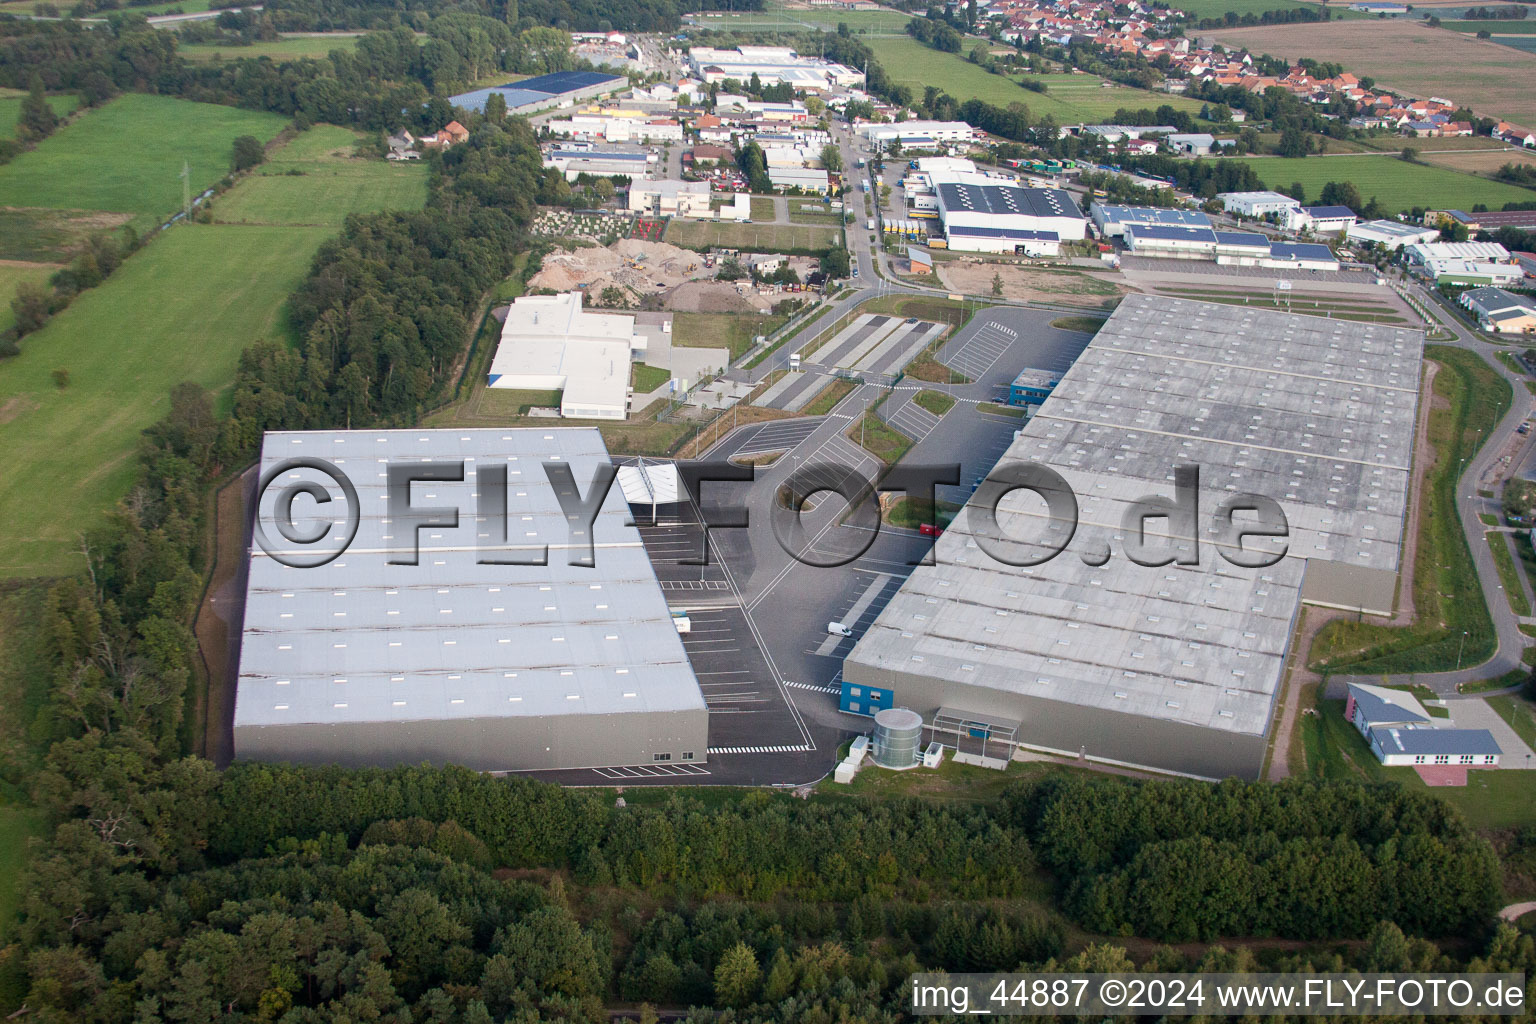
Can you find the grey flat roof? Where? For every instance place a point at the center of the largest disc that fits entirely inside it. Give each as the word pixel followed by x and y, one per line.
pixel 1114 214
pixel 1316 414
pixel 361 640
pixel 1436 741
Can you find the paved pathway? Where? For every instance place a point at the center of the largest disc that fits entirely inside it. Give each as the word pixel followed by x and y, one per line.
pixel 1515 911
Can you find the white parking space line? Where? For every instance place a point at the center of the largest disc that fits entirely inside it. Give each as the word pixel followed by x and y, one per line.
pixel 799 748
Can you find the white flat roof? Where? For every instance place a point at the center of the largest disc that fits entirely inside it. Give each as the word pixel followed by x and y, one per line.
pixel 361 640
pixel 550 341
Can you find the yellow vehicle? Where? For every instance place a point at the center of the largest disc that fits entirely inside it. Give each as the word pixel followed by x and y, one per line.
pixel 938 243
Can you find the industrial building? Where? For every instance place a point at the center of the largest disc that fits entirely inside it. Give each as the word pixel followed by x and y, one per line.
pixel 1005 218
pixel 1393 234
pixel 806 179
pixel 1111 220
pixel 773 65
pixel 1230 248
pixel 687 199
pixel 1170 666
pixel 1500 311
pixel 574 161
pixel 474 654
pixel 617 125
pixel 1320 220
pixel 549 343
pixel 913 133
pixel 557 89
pixel 1488 220
pixel 1468 263
pixel 1256 204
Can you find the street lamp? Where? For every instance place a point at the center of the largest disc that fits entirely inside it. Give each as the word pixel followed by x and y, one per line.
pixel 1459 648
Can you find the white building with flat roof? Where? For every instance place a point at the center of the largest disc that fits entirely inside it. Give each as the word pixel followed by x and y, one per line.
pixel 938 131
pixel 773 65
pixel 1393 234
pixel 1256 204
pixel 549 343
pixel 670 198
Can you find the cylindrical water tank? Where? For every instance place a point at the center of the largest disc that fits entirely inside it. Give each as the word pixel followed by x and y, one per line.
pixel 898 732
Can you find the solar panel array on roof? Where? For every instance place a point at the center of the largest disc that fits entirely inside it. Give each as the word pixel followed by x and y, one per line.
pixel 1299 251
pixel 1171 233
pixel 1007 199
pixel 979 232
pixel 557 82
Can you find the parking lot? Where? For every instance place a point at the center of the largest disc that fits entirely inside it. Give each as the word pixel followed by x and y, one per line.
pixel 1000 342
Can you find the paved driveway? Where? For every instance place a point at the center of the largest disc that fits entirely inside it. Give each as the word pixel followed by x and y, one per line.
pixel 1479 714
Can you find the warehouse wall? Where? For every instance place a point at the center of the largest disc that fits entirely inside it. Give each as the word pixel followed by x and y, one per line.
pixel 1071 728
pixel 487 744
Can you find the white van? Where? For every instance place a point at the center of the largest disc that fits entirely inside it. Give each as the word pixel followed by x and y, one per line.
pixel 838 629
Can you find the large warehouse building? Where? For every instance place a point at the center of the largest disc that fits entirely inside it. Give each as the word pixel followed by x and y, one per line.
pixel 556 89
pixel 492 666
pixel 1007 218
pixel 1176 666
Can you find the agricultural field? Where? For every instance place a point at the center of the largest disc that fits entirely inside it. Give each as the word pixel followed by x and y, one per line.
pixel 783 19
pixel 287 48
pixel 12 274
pixel 1480 161
pixel 1396 184
pixel 1395 143
pixel 1070 98
pixel 127 157
pixel 180 310
pixel 698 234
pixel 315 180
pixel 10 108
pixel 1410 58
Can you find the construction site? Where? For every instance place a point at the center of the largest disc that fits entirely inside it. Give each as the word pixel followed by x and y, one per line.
pixel 656 275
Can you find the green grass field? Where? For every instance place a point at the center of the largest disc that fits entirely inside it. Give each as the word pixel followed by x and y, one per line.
pixel 10 109
pixel 184 6
pixel 1397 185
pixel 733 331
pixel 1069 98
pixel 1498 28
pixel 698 234
pixel 13 274
pixel 127 157
pixel 291 48
pixel 332 184
pixel 182 309
pixel 1216 8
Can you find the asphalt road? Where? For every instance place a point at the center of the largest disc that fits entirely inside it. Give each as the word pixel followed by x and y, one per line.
pixel 1511 642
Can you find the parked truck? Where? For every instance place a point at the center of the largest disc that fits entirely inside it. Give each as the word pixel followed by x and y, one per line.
pixel 871 225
